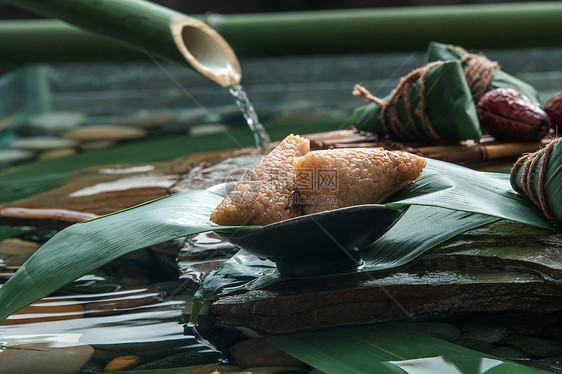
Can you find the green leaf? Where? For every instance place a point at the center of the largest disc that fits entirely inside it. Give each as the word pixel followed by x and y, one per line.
pixel 451 186
pixel 388 349
pixel 420 229
pixel 88 245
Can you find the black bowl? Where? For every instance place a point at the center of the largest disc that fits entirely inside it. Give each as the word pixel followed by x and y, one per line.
pixel 320 243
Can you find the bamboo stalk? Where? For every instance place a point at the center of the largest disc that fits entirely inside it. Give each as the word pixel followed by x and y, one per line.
pixel 516 25
pixel 151 28
pixel 394 29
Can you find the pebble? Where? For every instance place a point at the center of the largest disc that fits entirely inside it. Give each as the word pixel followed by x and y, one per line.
pixel 259 352
pixel 57 153
pixel 55 122
pixel 15 155
pixel 40 358
pixel 18 247
pixel 105 132
pixel 207 129
pixel 96 145
pixel 148 119
pixel 122 363
pixel 41 143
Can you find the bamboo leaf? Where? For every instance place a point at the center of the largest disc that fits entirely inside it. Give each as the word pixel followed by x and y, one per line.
pixel 388 349
pixel 451 186
pixel 88 245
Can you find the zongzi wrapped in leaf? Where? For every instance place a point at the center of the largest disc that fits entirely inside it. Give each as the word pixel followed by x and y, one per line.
pixel 476 68
pixel 539 176
pixel 432 104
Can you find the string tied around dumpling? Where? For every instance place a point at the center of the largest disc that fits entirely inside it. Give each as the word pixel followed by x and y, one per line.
pixel 529 163
pixel 402 92
pixel 478 71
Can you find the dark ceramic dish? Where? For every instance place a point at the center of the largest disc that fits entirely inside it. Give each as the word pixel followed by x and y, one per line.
pixel 321 243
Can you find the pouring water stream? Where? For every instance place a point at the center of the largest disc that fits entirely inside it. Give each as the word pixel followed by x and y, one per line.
pixel 260 134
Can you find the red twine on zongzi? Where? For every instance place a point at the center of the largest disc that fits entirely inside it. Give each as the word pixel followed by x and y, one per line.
pixel 531 161
pixel 403 91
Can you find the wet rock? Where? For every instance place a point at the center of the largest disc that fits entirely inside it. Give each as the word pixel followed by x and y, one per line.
pixel 18 247
pixel 39 358
pixel 105 132
pixel 8 156
pixel 46 310
pixel 133 281
pixel 148 119
pixel 57 153
pixel 54 122
pixel 487 335
pixel 122 363
pixel 124 300
pixel 507 353
pixel 96 145
pixel 275 370
pixel 535 347
pixel 259 352
pixel 42 143
pixel 444 331
pixel 16 261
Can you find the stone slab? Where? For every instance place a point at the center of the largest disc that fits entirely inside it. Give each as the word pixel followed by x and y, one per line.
pixel 504 266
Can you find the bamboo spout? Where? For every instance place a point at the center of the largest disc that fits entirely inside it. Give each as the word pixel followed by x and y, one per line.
pixel 151 28
pixel 206 51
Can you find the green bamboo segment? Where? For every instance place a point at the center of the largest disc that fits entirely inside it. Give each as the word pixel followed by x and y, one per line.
pixel 150 28
pixel 38 41
pixel 299 33
pixel 393 29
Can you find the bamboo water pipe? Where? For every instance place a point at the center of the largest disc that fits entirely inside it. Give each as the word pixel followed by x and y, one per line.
pixel 150 28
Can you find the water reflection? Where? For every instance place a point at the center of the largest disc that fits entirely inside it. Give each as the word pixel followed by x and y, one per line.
pixel 440 364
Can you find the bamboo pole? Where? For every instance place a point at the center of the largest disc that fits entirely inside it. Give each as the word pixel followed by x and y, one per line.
pixel 516 25
pixel 150 28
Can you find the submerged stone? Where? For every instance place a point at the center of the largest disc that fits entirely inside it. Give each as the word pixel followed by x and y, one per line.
pixel 40 358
